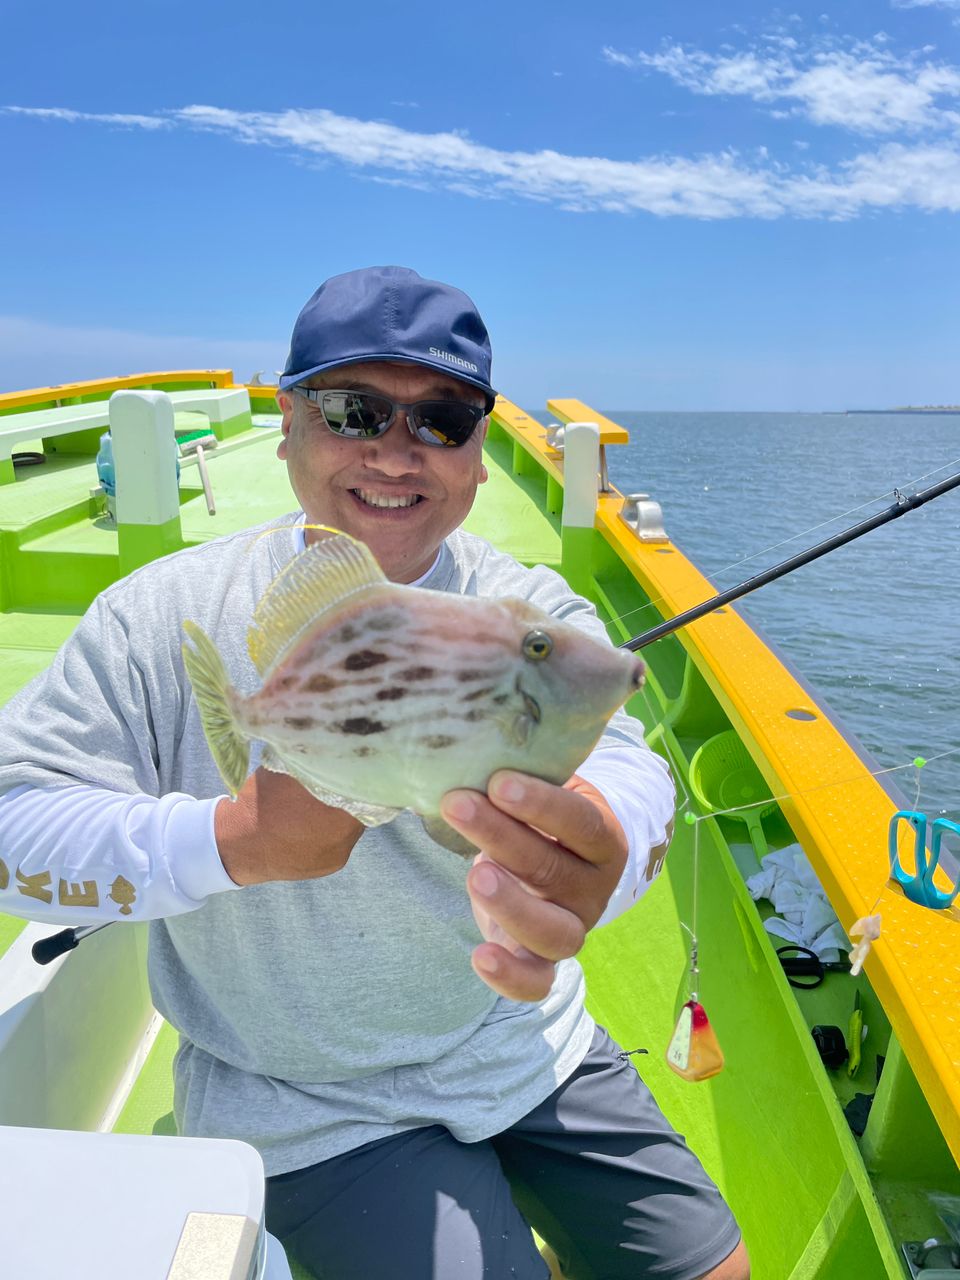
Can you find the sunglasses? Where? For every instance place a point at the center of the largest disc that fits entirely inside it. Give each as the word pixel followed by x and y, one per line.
pixel 364 415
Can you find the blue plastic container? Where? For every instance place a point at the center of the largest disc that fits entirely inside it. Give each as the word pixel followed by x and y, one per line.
pixel 105 471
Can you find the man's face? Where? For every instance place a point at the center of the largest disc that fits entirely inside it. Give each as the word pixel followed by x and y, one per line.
pixel 340 481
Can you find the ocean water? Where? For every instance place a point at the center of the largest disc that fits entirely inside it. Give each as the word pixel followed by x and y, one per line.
pixel 873 627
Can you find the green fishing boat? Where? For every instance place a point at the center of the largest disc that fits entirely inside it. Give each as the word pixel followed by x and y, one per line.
pixel 833 1173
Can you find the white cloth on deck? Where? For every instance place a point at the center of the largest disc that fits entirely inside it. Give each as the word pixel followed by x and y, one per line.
pixel 804 915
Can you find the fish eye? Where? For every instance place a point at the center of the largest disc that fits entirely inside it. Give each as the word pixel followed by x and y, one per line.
pixel 537 645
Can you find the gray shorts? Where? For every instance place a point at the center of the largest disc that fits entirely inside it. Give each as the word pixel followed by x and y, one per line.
pixel 595 1169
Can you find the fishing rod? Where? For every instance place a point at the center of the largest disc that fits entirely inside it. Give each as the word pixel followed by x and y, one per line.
pixel 57 944
pixel 900 508
pixel 48 949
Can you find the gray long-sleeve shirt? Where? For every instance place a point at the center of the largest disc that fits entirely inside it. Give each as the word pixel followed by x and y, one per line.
pixel 316 1015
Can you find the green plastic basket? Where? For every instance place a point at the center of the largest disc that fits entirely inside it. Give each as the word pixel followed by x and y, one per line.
pixel 723 777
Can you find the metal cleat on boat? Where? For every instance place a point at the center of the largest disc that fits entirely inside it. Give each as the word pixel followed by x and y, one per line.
pixel 935 1258
pixel 554 432
pixel 932 1259
pixel 644 517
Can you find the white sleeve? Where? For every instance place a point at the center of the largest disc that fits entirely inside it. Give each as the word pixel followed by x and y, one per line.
pixel 637 785
pixel 83 855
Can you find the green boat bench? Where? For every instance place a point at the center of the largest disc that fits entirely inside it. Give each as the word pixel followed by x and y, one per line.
pixel 76 428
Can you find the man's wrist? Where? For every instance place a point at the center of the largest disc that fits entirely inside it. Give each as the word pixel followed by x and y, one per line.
pixel 232 829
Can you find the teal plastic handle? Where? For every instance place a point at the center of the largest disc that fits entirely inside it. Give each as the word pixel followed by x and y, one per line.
pixel 919 886
pixel 910 882
pixel 939 827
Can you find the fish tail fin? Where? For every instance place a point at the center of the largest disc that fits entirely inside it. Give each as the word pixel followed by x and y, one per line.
pixel 211 685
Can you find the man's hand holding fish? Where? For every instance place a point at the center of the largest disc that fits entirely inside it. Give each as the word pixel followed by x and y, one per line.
pixel 551 859
pixel 370 781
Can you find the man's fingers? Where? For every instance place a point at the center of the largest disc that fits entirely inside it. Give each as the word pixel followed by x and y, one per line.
pixel 518 977
pixel 563 842
pixel 541 863
pixel 560 812
pixel 536 925
pixel 566 849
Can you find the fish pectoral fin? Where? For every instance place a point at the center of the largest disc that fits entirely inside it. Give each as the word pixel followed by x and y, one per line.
pixel 519 728
pixel 330 570
pixel 371 815
pixel 440 831
pixel 521 725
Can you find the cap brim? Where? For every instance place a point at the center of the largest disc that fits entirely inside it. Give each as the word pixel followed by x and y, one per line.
pixel 292 379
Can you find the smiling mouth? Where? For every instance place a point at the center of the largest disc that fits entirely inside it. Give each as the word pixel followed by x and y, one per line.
pixel 382 500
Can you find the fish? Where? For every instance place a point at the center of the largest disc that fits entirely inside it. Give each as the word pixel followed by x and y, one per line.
pixel 379 697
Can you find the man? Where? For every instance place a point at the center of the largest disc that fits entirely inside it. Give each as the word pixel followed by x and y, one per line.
pixel 400 1034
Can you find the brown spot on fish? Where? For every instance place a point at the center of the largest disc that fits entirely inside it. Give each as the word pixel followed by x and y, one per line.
pixel 363 751
pixel 417 673
pixel 347 634
pixel 464 676
pixel 320 683
pixel 385 622
pixel 438 741
pixel 299 722
pixel 286 681
pixel 360 724
pixel 391 694
pixel 363 658
pixel 477 713
pixel 478 693
pixel 501 698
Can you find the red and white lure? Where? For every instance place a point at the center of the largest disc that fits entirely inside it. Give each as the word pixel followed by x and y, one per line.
pixel 694 1052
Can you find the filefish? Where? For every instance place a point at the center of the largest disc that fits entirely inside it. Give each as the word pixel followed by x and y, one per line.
pixel 379 697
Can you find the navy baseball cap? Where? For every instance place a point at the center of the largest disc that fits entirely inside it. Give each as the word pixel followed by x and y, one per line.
pixel 390 313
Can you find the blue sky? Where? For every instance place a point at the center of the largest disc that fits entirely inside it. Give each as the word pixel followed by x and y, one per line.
pixel 663 206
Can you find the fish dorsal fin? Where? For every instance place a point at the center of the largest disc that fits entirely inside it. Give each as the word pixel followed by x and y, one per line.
pixel 330 570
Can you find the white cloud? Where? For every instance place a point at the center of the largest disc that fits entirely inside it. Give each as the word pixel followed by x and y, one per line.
pixel 71 117
pixel 712 186
pixel 857 85
pixel 925 4
pixel 625 59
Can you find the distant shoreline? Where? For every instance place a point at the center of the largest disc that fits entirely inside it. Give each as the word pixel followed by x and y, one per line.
pixel 944 408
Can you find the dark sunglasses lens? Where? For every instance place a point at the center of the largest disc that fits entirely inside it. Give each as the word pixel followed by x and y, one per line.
pixel 356 414
pixel 448 423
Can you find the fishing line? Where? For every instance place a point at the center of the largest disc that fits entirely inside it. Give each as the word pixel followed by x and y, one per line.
pixel 919 762
pixel 901 507
pixel 866 928
pixel 896 493
pixel 695 819
pixel 691 817
pixel 831 520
